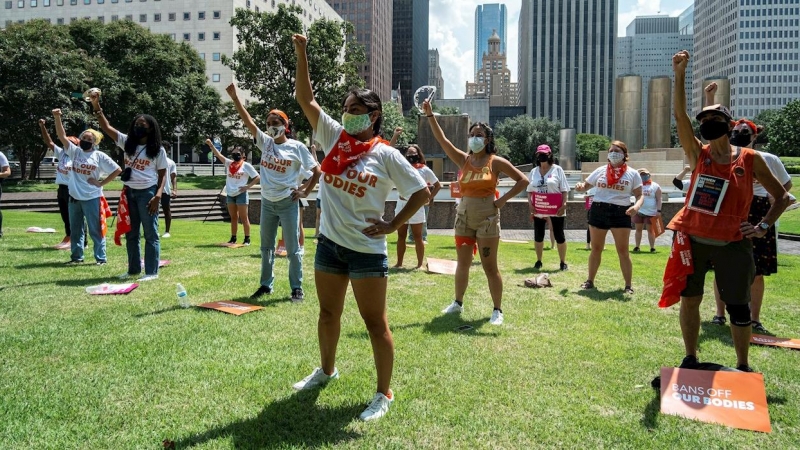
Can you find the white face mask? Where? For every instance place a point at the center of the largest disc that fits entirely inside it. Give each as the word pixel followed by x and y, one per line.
pixel 275 132
pixel 476 143
pixel 616 157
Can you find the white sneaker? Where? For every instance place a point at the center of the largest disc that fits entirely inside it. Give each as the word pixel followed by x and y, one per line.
pixel 454 308
pixel 497 318
pixel 378 407
pixel 148 278
pixel 317 378
pixel 165 235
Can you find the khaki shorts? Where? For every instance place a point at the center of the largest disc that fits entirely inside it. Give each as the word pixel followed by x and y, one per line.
pixel 477 218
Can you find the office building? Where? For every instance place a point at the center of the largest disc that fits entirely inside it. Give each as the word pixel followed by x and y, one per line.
pixel 435 73
pixel 409 47
pixel 489 18
pixel 493 79
pixel 686 21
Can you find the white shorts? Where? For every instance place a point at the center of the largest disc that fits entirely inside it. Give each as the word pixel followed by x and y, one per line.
pixel 418 217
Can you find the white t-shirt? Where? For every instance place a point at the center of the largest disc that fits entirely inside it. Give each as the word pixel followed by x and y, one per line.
pixel 282 165
pixel 552 182
pixel 650 204
pixel 617 194
pixel 145 170
pixel 776 167
pixel 94 164
pixel 171 168
pixel 430 178
pixel 360 192
pixel 3 161
pixel 240 179
pixel 64 165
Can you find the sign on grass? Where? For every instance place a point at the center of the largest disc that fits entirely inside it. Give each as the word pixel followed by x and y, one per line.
pixel 775 341
pixel 231 307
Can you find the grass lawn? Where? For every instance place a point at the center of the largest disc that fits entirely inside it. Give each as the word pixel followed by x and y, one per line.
pixel 790 220
pixel 568 369
pixel 184 183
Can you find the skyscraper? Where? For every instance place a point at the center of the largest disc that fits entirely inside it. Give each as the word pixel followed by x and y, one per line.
pixel 493 79
pixel 373 29
pixel 686 21
pixel 566 62
pixel 435 73
pixel 755 46
pixel 488 18
pixel 409 47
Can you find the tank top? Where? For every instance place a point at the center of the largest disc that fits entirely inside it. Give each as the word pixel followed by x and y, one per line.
pixel 477 182
pixel 735 205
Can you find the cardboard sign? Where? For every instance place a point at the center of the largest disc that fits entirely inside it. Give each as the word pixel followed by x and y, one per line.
pixel 442 266
pixel 587 202
pixel 734 399
pixel 658 225
pixel 775 341
pixel 111 289
pixel 455 190
pixel 231 307
pixel 546 204
pixel 707 194
pixel 40 230
pixel 281 249
pixel 225 244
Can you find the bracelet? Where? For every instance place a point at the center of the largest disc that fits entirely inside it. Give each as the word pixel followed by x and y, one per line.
pixel 428 115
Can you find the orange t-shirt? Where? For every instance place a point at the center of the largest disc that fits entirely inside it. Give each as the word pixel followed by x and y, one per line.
pixel 477 182
pixel 735 205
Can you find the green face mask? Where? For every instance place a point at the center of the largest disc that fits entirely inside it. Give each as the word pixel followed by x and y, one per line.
pixel 355 123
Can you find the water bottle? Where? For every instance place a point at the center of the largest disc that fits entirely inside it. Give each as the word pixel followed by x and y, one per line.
pixel 183 297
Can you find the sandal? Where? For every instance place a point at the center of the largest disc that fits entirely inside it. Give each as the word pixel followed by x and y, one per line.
pixel 635 249
pixel 718 320
pixel 652 250
pixel 588 284
pixel 757 326
pixel 628 290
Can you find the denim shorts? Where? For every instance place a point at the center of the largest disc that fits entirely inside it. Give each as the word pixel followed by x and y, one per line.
pixel 241 199
pixel 333 258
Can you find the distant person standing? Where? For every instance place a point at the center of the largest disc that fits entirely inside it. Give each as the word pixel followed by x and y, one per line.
pixel 170 192
pixel 5 172
pixel 651 208
pixel 240 176
pixel 63 171
pixel 548 178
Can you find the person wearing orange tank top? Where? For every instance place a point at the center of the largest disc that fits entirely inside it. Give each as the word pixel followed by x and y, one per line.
pixel 714 218
pixel 478 213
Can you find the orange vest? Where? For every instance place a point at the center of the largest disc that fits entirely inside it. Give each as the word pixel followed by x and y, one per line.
pixel 735 205
pixel 477 182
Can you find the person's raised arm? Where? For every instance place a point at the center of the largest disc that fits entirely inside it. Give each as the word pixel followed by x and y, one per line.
pixel 246 118
pixel 709 93
pixel 60 132
pixel 691 146
pixel 397 132
pixel 455 155
pixel 98 112
pixel 219 156
pixel 303 91
pixel 48 141
pixel 503 165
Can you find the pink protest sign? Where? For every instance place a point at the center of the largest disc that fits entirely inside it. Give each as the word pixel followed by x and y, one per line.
pixel 546 204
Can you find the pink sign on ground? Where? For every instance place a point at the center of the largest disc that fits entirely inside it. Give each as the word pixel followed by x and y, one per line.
pixel 111 289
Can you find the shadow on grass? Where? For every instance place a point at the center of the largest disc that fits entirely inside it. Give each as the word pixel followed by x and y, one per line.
pixel 712 332
pixel 265 300
pixel 651 411
pixel 31 249
pixel 295 421
pixel 773 400
pixel 447 323
pixel 160 311
pixel 594 294
pixel 83 282
pixel 52 264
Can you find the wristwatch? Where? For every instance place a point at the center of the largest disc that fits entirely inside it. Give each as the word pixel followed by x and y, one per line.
pixel 764 226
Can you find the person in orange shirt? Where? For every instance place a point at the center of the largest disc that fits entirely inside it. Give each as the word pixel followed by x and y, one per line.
pixel 715 215
pixel 478 213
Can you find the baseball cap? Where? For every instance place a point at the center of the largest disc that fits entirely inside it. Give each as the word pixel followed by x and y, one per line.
pixel 717 109
pixel 544 148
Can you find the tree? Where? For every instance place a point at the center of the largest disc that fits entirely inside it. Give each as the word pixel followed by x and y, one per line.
pixel 265 61
pixel 590 145
pixel 446 110
pixel 673 133
pixel 524 133
pixel 784 133
pixel 764 119
pixel 393 118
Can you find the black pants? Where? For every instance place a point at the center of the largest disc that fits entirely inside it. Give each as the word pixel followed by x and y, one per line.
pixel 63 207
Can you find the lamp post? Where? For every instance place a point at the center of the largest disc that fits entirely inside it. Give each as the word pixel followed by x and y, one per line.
pixel 178 134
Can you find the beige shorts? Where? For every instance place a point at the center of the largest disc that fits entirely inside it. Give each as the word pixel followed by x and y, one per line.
pixel 477 218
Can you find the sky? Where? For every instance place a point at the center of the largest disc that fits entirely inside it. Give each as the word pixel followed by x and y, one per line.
pixel 452 31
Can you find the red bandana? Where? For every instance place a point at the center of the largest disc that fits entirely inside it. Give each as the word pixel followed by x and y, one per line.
pixel 234 167
pixel 679 266
pixel 647 182
pixel 345 152
pixel 613 174
pixel 418 165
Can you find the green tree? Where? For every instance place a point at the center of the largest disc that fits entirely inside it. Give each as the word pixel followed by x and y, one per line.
pixel 590 145
pixel 784 133
pixel 764 119
pixel 524 133
pixel 393 118
pixel 446 110
pixel 673 133
pixel 265 61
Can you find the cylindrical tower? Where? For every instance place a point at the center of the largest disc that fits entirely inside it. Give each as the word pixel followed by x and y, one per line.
pixel 628 123
pixel 567 148
pixel 659 112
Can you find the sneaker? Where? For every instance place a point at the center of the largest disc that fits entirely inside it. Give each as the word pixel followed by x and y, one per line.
pixel 148 278
pixel 745 368
pixel 564 266
pixel 73 262
pixel 246 242
pixel 497 317
pixel 424 242
pixel 317 378
pixel 297 295
pixel 100 263
pixel 689 362
pixel 166 235
pixel 262 290
pixel 758 327
pixel 233 240
pixel 378 407
pixel 628 290
pixel 718 320
pixel 635 249
pixel 537 266
pixel 588 284
pixel 453 308
pixel 652 250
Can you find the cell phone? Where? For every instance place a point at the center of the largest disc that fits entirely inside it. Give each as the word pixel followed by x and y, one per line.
pixel 463 328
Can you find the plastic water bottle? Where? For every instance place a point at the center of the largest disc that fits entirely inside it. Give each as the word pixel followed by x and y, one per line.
pixel 183 297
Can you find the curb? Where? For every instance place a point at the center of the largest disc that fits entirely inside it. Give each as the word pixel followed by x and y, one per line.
pixel 789 237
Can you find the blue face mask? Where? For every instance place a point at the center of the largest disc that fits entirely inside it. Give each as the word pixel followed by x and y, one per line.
pixel 355 123
pixel 476 143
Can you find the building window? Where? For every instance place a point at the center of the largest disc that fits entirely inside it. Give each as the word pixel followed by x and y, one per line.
pixel 215 78
pixel 129 17
pixel 187 16
pixel 34 3
pixel 156 17
pixel 72 19
pixel 187 37
pixel 21 3
pixel 9 4
pixel 9 23
pixel 142 18
pixel 73 2
pixel 59 2
pixel 87 2
pixel 114 17
pixel 60 21
pixel 216 35
pixel 215 57
pixel 203 56
pixel 217 14
pixel 101 19
pixel 171 16
pixel 201 36
pixel 201 15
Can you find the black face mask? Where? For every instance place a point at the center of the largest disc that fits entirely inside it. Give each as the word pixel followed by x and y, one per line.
pixel 741 139
pixel 413 159
pixel 86 145
pixel 711 130
pixel 140 131
pixel 236 157
pixel 543 158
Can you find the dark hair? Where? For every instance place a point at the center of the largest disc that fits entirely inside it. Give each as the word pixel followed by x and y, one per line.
pixel 288 126
pixel 487 130
pixel 153 138
pixel 550 159
pixel 373 103
pixel 419 152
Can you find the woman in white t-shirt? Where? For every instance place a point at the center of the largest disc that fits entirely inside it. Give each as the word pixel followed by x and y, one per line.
pixel 549 188
pixel 283 159
pixel 415 156
pixel 5 172
pixel 360 172
pixel 144 178
pixel 240 176
pixel 63 170
pixel 651 208
pixel 86 190
pixel 614 185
